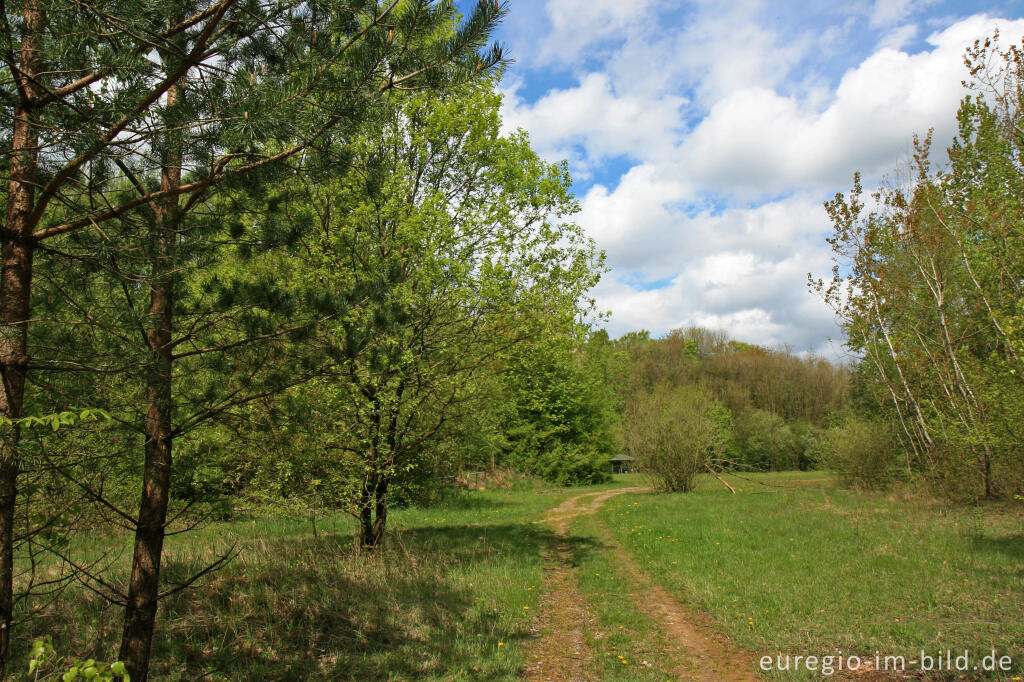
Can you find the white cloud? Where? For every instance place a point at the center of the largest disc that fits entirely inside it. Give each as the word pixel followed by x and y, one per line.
pixel 736 139
pixel 593 116
pixel 743 270
pixel 753 299
pixel 577 24
pixel 650 224
pixel 729 48
pixel 757 141
pixel 888 12
pixel 899 37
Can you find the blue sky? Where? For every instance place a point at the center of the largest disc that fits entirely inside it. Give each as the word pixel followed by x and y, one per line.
pixel 704 136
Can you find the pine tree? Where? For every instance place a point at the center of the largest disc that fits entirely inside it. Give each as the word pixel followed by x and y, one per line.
pixel 142 112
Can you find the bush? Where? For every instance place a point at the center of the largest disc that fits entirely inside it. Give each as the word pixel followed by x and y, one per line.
pixel 674 433
pixel 570 464
pixel 764 441
pixel 866 451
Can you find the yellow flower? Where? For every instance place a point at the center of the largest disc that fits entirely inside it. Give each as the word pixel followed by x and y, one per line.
pixel 501 644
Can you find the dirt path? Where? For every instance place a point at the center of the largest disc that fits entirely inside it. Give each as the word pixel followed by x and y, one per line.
pixel 561 651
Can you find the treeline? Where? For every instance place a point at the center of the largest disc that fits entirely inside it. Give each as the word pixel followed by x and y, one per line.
pixel 699 400
pixel 929 288
pixel 266 254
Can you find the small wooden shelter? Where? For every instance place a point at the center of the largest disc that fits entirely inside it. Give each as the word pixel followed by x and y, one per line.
pixel 622 464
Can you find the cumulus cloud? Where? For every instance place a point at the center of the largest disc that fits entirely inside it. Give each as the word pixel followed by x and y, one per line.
pixel 752 298
pixel 727 47
pixel 734 139
pixel 601 122
pixel 651 224
pixel 577 24
pixel 758 141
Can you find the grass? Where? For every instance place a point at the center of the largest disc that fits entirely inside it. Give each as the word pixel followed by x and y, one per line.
pixel 450 597
pixel 791 564
pixel 806 568
pixel 628 644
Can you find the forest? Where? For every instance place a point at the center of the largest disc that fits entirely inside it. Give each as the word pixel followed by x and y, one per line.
pixel 283 260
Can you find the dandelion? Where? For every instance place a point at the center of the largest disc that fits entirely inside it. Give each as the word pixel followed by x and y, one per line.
pixel 501 644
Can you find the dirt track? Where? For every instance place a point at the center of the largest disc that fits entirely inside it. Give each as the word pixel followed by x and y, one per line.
pixel 561 652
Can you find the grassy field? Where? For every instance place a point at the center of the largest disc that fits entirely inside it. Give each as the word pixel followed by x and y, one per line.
pixel 790 564
pixel 801 567
pixel 450 597
pixel 627 644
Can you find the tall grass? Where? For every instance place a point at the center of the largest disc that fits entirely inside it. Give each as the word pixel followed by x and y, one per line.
pixel 449 597
pixel 805 569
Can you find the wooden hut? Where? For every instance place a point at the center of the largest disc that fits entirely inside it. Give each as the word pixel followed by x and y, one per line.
pixel 622 464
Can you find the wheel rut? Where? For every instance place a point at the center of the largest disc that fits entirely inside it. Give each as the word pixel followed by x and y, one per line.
pixel 560 651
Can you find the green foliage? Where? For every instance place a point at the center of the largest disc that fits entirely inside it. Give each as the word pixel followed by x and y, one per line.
pixel 559 424
pixel 437 245
pixel 765 442
pixel 928 290
pixel 773 404
pixel 43 656
pixel 55 421
pixel 675 433
pixel 865 451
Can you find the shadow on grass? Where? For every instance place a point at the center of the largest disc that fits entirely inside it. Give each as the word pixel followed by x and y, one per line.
pixel 1011 544
pixel 467 500
pixel 298 608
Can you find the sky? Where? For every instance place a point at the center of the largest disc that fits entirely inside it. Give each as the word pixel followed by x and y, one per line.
pixel 703 138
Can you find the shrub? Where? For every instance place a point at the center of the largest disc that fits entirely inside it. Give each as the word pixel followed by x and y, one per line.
pixel 764 441
pixel 674 432
pixel 572 464
pixel 864 450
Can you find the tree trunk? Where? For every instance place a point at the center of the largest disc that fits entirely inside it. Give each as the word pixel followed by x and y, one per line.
pixel 373 511
pixel 366 513
pixel 380 500
pixel 373 514
pixel 144 587
pixel 15 300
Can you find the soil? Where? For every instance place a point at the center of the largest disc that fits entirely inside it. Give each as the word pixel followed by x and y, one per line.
pixel 560 650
